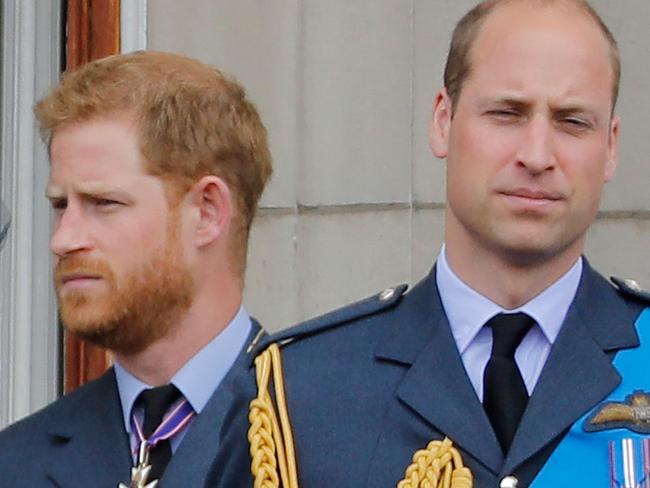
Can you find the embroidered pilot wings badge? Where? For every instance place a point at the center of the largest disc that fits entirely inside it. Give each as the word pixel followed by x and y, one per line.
pixel 632 414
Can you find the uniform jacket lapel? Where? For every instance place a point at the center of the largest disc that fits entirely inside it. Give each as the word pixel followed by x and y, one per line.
pixel 190 463
pixel 89 446
pixel 436 385
pixel 578 373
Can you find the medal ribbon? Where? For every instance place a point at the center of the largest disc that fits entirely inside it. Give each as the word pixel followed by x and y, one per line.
pixel 176 421
pixel 617 457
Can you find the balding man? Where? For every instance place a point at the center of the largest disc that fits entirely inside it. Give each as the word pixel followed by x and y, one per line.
pixel 513 348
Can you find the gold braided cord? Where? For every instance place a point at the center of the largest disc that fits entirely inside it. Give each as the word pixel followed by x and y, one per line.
pixel 440 465
pixel 271 441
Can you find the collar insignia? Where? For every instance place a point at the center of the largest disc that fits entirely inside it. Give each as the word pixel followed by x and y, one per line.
pixel 632 414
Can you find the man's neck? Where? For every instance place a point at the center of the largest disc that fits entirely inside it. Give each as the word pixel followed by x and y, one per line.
pixel 506 282
pixel 204 320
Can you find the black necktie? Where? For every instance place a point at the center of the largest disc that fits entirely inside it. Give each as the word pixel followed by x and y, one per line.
pixel 504 392
pixel 156 402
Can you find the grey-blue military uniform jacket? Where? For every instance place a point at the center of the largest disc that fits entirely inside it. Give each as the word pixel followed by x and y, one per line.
pixel 79 441
pixel 370 384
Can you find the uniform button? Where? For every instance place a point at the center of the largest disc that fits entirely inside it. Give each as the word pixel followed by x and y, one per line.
pixel 632 285
pixel 387 294
pixel 509 482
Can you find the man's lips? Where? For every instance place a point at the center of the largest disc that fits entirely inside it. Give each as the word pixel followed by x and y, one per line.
pixel 535 200
pixel 78 280
pixel 78 276
pixel 533 194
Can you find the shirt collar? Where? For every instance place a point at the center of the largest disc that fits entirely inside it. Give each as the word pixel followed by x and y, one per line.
pixel 467 310
pixel 198 379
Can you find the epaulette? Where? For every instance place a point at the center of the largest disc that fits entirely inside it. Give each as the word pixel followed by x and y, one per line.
pixel 363 308
pixel 270 433
pixel 631 288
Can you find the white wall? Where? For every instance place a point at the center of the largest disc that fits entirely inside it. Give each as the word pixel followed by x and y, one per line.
pixel 345 88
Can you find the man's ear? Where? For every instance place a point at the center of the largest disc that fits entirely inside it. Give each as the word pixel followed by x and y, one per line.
pixel 212 200
pixel 612 163
pixel 440 124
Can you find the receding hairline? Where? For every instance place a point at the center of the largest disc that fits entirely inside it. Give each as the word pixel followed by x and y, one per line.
pixel 491 7
pixel 582 6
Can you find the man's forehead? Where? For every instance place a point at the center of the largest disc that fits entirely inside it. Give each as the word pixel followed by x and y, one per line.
pixel 546 37
pixel 100 151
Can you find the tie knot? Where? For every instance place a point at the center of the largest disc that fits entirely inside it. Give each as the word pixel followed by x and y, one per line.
pixel 508 329
pixel 156 402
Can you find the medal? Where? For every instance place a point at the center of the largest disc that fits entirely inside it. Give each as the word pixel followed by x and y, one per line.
pixel 629 462
pixel 176 421
pixel 140 472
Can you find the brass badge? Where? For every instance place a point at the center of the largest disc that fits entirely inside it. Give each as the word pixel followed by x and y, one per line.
pixel 632 414
pixel 140 473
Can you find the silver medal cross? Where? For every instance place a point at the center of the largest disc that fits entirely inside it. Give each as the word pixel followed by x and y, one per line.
pixel 140 472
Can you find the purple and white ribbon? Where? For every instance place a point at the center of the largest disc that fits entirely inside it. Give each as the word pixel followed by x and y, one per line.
pixel 172 424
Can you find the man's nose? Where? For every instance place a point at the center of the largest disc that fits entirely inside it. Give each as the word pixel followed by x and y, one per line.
pixel 70 232
pixel 537 152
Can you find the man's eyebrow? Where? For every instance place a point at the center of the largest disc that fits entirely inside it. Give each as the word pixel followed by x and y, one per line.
pixel 90 188
pixel 573 109
pixel 505 101
pixel 562 108
pixel 579 109
pixel 54 193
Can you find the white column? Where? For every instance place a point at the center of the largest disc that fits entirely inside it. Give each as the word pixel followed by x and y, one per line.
pixel 133 25
pixel 29 336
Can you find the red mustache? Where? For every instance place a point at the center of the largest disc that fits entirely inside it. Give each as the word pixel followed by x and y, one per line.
pixel 74 267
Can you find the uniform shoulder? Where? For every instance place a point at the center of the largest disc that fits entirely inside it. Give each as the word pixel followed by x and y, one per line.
pixel 377 303
pixel 41 421
pixel 30 430
pixel 630 289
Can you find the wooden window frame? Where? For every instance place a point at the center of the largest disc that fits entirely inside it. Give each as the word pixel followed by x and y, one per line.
pixel 93 31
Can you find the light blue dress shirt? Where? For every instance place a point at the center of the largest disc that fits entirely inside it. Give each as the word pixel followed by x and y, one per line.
pixel 197 380
pixel 468 311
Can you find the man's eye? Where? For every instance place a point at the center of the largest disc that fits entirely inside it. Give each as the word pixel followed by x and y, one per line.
pixel 504 114
pixel 106 202
pixel 576 122
pixel 59 204
pixel 575 125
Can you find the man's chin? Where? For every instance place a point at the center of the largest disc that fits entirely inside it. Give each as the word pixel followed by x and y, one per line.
pixel 95 332
pixel 533 251
pixel 112 337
